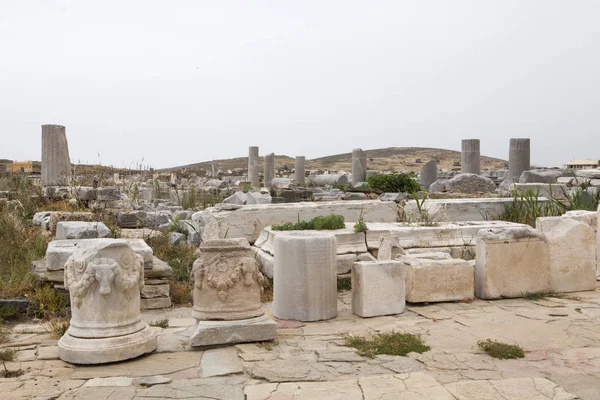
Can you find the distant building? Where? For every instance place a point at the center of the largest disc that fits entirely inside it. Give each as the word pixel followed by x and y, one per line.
pixel 583 164
pixel 24 167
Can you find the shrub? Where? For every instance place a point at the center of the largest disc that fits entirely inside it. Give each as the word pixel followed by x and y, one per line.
pixel 20 244
pixel 361 225
pixel 7 355
pixel 391 343
pixel 181 293
pixel 179 257
pixel 394 182
pixel 501 350
pixel 330 222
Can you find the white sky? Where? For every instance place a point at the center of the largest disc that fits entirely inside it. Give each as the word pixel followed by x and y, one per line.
pixel 177 82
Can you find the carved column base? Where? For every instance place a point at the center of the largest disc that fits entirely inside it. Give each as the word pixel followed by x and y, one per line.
pixel 210 333
pixel 99 351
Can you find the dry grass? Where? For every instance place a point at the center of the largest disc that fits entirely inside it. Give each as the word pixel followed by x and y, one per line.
pixel 267 293
pixel 59 327
pixel 181 293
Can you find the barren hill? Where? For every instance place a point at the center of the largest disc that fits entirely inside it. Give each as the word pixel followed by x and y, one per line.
pixel 391 158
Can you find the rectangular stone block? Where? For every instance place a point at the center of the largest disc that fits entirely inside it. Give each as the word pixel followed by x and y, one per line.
pixel 378 288
pixel 248 221
pixel 211 333
pixel 431 280
pixel 572 250
pixel 511 262
pixel 449 210
pixel 155 291
pixel 462 233
pixel 59 251
pixel 156 303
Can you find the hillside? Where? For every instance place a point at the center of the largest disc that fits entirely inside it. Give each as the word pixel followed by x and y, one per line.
pixel 396 158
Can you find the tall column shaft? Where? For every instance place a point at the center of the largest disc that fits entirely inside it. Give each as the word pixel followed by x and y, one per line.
pixel 253 176
pixel 56 164
pixel 359 166
pixel 519 157
pixel 470 157
pixel 269 169
pixel 299 169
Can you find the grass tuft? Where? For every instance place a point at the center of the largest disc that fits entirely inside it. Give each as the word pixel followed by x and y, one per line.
pixel 344 284
pixel 46 303
pixel 390 343
pixel 330 222
pixel 536 296
pixel 501 350
pixel 59 327
pixel 181 293
pixel 163 323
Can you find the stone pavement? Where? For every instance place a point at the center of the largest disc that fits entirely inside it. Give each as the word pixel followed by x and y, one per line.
pixel 560 336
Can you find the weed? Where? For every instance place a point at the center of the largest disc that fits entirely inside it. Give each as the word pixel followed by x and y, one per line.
pixel 501 350
pixel 59 327
pixel 578 310
pixel 391 343
pixel 330 222
pixel 181 293
pixel 268 345
pixel 163 323
pixel 361 225
pixel 344 284
pixel 8 355
pixel 267 292
pixel 45 302
pixel 179 257
pixel 3 333
pixel 536 296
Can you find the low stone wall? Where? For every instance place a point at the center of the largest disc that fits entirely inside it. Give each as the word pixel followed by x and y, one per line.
pixel 249 221
pixel 450 210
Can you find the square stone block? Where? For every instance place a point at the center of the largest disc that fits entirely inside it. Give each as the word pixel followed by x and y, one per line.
pixel 511 262
pixel 572 246
pixel 378 288
pixel 431 280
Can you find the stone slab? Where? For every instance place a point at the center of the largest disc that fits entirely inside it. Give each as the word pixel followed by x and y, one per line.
pixel 154 291
pixel 220 362
pixel 449 210
pixel 248 221
pixel 210 333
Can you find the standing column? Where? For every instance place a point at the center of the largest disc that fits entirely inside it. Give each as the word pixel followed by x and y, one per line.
pixel 253 177
pixel 269 169
pixel 359 166
pixel 469 157
pixel 299 169
pixel 519 158
pixel 56 165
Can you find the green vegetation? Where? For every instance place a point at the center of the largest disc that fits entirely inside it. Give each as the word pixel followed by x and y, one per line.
pixel 179 257
pixel 394 182
pixel 361 225
pixel 329 222
pixel 536 296
pixel 45 302
pixel 163 323
pixel 344 284
pixel 391 343
pixel 501 350
pixel 527 207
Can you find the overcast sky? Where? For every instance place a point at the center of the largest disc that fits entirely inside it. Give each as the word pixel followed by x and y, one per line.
pixel 177 82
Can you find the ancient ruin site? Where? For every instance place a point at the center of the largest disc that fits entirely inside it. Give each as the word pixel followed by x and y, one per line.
pixel 339 200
